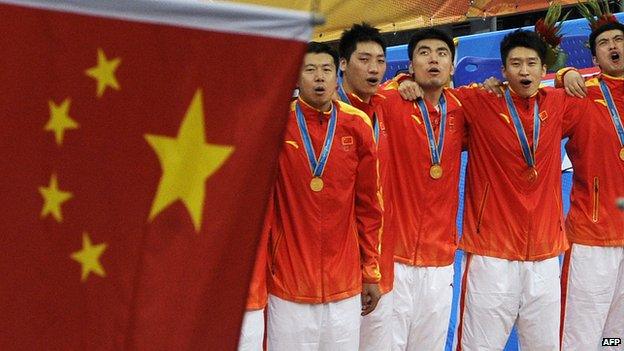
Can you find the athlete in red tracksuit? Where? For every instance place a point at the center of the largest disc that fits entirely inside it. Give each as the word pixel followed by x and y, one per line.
pixel 593 271
pixel 362 66
pixel 326 223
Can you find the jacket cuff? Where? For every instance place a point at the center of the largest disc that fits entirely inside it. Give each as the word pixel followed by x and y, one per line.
pixel 559 75
pixel 370 274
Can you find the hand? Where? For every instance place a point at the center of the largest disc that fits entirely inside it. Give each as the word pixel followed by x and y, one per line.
pixel 494 86
pixel 410 90
pixel 574 84
pixel 370 297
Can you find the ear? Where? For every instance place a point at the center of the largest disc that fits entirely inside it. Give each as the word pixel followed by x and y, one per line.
pixel 343 64
pixel 594 61
pixel 410 69
pixel 544 69
pixel 452 69
pixel 504 73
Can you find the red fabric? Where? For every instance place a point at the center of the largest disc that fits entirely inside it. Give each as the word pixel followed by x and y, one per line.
pixel 167 286
pixel 506 216
pixel 317 238
pixel 594 149
pixel 424 208
pixel 258 295
pixel 386 260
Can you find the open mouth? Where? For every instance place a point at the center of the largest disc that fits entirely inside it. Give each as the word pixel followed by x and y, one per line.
pixel 319 89
pixel 615 57
pixel 526 83
pixel 372 80
pixel 433 70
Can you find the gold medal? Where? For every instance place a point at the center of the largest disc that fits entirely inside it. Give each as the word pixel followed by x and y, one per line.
pixel 316 184
pixel 622 154
pixel 435 171
pixel 531 174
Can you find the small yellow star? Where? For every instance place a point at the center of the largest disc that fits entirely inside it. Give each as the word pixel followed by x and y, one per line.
pixel 53 198
pixel 186 161
pixel 104 72
pixel 89 257
pixel 60 120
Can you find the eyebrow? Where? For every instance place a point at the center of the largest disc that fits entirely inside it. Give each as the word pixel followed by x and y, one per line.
pixel 613 37
pixel 365 53
pixel 320 65
pixel 521 59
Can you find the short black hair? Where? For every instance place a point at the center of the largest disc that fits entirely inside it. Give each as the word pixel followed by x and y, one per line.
pixel 314 47
pixel 524 39
pixel 359 33
pixel 605 27
pixel 430 33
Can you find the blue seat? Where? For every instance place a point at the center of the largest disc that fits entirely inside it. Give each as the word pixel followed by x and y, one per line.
pixel 471 69
pixel 579 55
pixel 394 67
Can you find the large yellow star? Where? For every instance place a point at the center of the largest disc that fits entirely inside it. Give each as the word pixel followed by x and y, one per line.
pixel 186 161
pixel 89 257
pixel 104 72
pixel 53 198
pixel 60 120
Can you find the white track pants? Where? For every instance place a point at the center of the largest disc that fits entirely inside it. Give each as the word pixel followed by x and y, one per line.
pixel 422 307
pixel 252 332
pixel 593 299
pixel 332 326
pixel 496 293
pixel 376 328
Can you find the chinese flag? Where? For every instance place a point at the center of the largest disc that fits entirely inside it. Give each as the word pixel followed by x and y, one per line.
pixel 138 143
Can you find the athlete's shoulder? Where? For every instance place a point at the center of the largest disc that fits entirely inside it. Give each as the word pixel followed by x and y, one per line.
pixel 345 108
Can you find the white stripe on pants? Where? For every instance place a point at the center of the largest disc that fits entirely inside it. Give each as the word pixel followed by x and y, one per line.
pixel 594 304
pixel 376 328
pixel 422 307
pixel 500 293
pixel 252 331
pixel 332 326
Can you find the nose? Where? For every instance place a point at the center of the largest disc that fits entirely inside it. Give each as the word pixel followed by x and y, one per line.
pixel 373 67
pixel 524 70
pixel 319 76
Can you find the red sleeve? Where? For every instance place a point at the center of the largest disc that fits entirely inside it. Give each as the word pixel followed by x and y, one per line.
pixel 368 206
pixel 574 109
pixel 470 100
pixel 559 76
pixel 258 293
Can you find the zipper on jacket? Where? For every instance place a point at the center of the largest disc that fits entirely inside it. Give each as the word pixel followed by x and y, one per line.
pixel 595 202
pixel 482 207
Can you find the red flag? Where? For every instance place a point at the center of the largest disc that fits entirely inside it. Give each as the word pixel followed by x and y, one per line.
pixel 138 142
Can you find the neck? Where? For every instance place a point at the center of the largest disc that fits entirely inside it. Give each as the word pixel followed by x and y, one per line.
pixel 618 74
pixel 433 95
pixel 349 90
pixel 320 106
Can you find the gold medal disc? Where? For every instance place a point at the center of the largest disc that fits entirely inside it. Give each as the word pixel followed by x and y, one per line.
pixel 316 184
pixel 531 175
pixel 435 171
pixel 622 154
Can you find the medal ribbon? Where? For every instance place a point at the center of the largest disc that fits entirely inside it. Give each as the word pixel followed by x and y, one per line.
pixel 615 116
pixel 529 155
pixel 435 148
pixel 345 98
pixel 316 166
